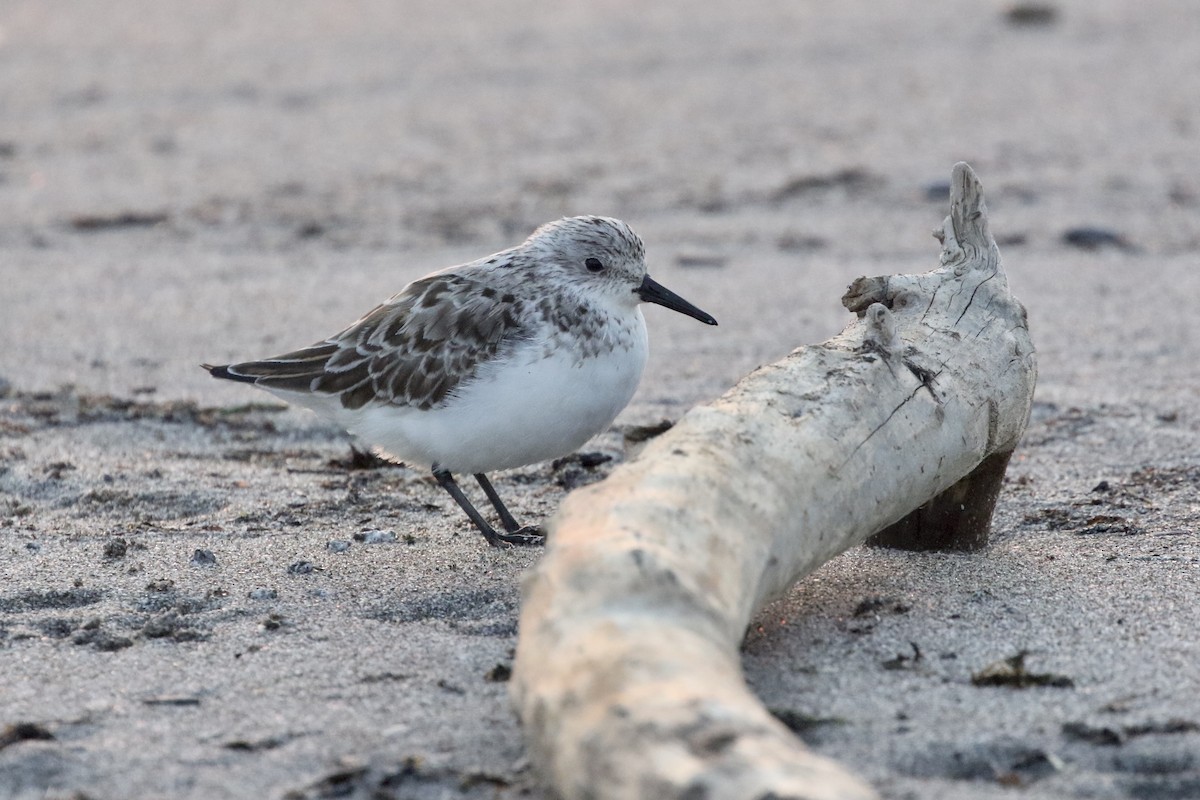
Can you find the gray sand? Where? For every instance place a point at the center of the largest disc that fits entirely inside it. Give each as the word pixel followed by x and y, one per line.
pixel 205 182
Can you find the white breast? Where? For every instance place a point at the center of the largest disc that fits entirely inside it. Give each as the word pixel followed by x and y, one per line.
pixel 542 403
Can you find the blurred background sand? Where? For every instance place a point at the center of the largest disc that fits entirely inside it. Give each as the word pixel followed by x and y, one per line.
pixel 205 182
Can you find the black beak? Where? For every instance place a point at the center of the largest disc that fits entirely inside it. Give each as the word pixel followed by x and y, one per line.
pixel 653 292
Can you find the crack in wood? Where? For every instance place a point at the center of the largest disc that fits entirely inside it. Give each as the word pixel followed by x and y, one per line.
pixel 932 297
pixel 879 427
pixel 972 300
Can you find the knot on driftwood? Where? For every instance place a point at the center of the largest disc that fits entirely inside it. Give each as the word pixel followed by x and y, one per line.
pixel 879 330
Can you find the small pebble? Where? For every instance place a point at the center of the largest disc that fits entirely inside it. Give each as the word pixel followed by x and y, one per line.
pixel 642 433
pixel 301 568
pixel 204 558
pixel 1031 14
pixel 1088 238
pixel 376 537
pixel 337 546
pixel 263 594
pixel 593 460
pixel 116 548
pixel 500 673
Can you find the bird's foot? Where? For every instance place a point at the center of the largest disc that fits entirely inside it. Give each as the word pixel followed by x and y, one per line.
pixel 529 536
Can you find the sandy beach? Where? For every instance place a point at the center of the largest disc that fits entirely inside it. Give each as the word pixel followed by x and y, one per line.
pixel 201 598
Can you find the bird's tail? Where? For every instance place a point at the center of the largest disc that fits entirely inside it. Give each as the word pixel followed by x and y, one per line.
pixel 293 372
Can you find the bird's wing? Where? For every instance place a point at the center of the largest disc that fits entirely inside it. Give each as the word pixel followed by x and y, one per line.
pixel 414 350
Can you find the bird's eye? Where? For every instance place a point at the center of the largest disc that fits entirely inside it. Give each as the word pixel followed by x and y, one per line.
pixel 593 265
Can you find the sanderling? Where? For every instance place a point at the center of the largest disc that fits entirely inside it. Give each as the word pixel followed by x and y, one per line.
pixel 513 359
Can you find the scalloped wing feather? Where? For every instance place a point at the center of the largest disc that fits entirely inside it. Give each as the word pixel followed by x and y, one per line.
pixel 414 350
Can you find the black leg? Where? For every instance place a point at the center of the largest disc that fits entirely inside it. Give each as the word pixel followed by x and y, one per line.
pixel 446 481
pixel 506 518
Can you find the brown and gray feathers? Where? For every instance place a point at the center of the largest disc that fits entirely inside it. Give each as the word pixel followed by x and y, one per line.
pixel 414 350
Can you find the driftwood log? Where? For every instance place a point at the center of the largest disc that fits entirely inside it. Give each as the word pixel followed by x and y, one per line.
pixel 627 675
